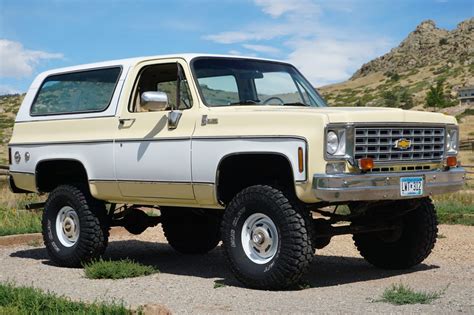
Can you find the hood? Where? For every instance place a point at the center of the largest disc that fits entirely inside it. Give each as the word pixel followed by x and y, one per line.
pixel 351 114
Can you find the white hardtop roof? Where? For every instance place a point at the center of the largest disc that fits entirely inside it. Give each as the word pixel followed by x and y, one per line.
pixel 132 61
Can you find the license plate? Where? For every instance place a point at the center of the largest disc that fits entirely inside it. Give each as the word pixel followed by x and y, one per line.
pixel 411 186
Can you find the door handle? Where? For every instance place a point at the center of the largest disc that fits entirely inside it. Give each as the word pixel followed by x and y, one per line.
pixel 122 121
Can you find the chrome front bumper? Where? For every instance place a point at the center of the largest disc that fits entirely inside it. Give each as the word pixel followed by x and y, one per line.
pixel 383 186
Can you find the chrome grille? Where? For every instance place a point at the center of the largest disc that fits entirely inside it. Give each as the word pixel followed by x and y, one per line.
pixel 427 144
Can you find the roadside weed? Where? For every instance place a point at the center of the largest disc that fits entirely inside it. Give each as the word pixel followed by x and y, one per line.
pixel 400 294
pixel 116 269
pixel 219 284
pixel 456 208
pixel 26 300
pixel 13 221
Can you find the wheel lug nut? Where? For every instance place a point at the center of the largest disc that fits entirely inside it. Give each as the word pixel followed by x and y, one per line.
pixel 258 238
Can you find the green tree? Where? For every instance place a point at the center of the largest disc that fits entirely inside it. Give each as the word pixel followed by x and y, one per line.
pixel 443 41
pixel 395 77
pixel 390 99
pixel 406 99
pixel 435 96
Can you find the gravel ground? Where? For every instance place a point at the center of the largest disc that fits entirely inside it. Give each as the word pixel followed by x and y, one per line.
pixel 339 280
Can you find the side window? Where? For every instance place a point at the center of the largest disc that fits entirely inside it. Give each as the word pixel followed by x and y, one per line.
pixel 221 90
pixel 76 92
pixel 162 78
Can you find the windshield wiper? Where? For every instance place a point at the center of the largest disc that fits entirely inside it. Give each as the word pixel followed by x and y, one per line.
pixel 245 102
pixel 295 104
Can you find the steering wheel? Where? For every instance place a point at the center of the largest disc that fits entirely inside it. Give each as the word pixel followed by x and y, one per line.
pixel 265 102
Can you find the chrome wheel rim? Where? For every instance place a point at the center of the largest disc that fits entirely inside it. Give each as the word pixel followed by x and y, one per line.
pixel 67 226
pixel 259 238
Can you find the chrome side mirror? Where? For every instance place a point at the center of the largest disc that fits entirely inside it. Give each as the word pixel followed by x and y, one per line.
pixel 154 101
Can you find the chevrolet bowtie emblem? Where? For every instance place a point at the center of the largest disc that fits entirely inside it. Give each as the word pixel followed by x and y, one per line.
pixel 402 144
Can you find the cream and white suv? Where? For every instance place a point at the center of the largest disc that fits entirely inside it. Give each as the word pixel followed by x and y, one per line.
pixel 232 149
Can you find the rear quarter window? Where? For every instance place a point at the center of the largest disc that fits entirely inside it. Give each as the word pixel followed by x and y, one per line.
pixel 76 92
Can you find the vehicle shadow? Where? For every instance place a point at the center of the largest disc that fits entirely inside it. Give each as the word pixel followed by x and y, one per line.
pixel 325 271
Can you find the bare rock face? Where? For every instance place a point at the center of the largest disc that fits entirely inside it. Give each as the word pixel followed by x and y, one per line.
pixel 426 45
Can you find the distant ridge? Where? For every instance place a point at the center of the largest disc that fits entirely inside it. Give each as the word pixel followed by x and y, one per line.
pixel 405 74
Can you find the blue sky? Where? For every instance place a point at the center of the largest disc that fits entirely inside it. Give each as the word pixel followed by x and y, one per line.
pixel 326 40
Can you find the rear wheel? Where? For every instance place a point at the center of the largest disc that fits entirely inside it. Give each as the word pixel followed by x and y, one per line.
pixel 190 231
pixel 266 238
pixel 406 246
pixel 75 228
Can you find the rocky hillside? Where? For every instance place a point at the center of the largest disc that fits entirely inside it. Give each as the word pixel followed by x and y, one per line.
pixel 9 105
pixel 402 77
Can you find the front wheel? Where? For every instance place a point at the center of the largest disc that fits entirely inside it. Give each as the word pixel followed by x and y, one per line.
pixel 74 226
pixel 266 238
pixel 406 246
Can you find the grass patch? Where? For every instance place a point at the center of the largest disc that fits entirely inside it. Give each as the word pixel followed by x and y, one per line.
pixel 25 300
pixel 304 285
pixel 117 269
pixel 14 221
pixel 401 294
pixel 467 112
pixel 219 284
pixel 9 200
pixel 455 208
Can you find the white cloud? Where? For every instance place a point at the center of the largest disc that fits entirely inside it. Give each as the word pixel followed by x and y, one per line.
pixel 234 52
pixel 250 33
pixel 276 8
pixel 328 60
pixel 16 61
pixel 324 53
pixel 231 37
pixel 6 89
pixel 262 49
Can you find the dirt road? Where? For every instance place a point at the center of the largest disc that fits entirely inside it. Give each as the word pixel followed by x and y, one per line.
pixel 339 280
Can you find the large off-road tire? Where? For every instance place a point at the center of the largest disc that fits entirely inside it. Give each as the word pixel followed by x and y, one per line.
pixel 75 228
pixel 266 238
pixel 190 231
pixel 405 247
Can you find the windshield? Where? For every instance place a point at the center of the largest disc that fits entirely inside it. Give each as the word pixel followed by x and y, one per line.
pixel 232 81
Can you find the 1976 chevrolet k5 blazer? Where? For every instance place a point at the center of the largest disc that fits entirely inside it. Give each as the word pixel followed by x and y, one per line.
pixel 232 149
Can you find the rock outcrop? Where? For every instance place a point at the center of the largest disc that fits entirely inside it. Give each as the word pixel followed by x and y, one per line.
pixel 426 45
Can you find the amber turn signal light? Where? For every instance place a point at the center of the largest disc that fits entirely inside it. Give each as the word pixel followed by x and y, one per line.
pixel 300 160
pixel 451 161
pixel 366 164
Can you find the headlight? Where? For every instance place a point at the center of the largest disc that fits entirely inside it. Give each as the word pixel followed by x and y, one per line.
pixel 452 140
pixel 332 142
pixel 336 142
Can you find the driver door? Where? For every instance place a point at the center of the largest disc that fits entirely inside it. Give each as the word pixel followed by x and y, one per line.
pixel 153 161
